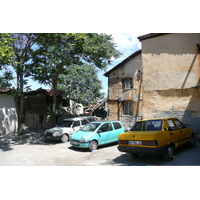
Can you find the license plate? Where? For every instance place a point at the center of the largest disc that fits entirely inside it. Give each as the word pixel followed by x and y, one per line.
pixel 48 136
pixel 135 142
pixel 74 142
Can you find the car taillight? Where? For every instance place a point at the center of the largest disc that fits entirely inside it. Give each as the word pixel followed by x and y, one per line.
pixel 150 142
pixel 123 141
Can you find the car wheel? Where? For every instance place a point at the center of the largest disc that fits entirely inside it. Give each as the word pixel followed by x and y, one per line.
pixel 93 146
pixel 192 141
pixel 64 138
pixel 169 153
pixel 135 155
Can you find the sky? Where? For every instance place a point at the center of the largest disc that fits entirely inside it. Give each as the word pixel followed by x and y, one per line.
pixel 127 44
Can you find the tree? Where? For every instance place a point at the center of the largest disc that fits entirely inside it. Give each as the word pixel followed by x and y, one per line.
pixel 82 84
pixel 17 48
pixel 45 57
pixel 57 51
pixel 6 53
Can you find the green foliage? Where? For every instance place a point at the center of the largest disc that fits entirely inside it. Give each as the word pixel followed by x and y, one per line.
pixel 56 51
pixel 6 51
pixel 82 84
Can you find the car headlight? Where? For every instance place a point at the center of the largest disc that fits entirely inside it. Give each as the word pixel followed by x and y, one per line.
pixel 57 133
pixel 84 140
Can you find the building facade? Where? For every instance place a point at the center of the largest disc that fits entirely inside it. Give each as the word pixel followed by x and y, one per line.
pixel 171 77
pixel 124 90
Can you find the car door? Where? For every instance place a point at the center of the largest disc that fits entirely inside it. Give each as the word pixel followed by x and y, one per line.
pixel 103 132
pixel 76 126
pixel 115 131
pixel 173 135
pixel 184 135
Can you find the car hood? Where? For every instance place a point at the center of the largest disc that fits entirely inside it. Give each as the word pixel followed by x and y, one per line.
pixel 138 135
pixel 57 129
pixel 79 134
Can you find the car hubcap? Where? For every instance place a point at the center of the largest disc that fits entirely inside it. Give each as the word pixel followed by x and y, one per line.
pixel 170 152
pixel 192 141
pixel 93 146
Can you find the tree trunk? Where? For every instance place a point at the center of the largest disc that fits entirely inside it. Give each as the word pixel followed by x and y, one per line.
pixel 55 84
pixel 21 104
pixel 54 109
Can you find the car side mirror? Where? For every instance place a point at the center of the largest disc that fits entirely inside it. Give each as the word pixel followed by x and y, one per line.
pixel 99 131
pixel 169 129
pixel 186 125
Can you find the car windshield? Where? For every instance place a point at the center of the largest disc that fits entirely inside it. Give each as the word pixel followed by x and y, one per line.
pixel 66 124
pixel 150 125
pixel 91 127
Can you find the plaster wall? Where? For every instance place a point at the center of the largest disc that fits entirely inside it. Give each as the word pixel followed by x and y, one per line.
pixel 8 115
pixel 171 77
pixel 116 95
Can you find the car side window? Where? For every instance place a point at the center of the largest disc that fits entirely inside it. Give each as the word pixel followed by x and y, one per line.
pixel 171 125
pixel 84 122
pixel 117 125
pixel 106 127
pixel 179 124
pixel 90 119
pixel 76 123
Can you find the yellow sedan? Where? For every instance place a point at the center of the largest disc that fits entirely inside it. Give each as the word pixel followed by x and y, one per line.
pixel 156 136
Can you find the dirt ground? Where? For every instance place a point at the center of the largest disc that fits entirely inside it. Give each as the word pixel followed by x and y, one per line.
pixel 38 152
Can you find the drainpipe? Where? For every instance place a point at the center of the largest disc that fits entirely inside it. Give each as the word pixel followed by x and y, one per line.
pixel 138 104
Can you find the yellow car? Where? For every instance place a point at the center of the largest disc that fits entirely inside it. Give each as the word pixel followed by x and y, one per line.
pixel 156 136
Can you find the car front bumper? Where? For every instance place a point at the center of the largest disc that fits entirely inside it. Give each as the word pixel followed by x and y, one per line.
pixel 52 137
pixel 78 144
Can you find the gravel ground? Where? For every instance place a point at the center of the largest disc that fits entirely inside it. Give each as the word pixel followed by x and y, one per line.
pixel 35 151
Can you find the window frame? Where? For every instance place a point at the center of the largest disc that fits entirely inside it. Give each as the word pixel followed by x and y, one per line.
pixel 128 108
pixel 127 84
pixel 117 125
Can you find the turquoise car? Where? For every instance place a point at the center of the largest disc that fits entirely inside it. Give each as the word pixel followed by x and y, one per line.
pixel 97 133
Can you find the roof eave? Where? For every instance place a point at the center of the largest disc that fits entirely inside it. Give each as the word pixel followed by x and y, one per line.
pixel 150 35
pixel 106 74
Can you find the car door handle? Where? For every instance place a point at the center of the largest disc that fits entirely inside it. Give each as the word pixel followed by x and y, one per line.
pixel 171 133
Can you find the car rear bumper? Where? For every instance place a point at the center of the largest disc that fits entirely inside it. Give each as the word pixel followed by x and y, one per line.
pixel 142 150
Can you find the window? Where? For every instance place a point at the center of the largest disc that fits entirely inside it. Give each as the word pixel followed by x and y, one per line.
pixel 171 125
pixel 84 122
pixel 127 84
pixel 106 127
pixel 150 125
pixel 76 123
pixel 179 124
pixel 117 125
pixel 128 108
pixel 66 124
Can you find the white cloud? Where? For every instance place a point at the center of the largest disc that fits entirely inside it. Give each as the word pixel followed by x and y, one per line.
pixel 127 43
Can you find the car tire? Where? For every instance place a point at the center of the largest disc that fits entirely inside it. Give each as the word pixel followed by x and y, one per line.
pixel 135 155
pixel 64 138
pixel 169 153
pixel 192 141
pixel 93 146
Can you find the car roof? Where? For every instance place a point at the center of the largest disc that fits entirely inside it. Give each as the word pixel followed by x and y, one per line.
pixel 78 118
pixel 167 118
pixel 105 121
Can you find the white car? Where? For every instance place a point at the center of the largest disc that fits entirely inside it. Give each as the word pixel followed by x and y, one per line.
pixel 66 128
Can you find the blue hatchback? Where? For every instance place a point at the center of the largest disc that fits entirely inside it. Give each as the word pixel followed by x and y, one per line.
pixel 97 133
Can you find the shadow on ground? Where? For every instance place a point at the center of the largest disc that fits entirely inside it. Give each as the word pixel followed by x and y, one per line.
pixel 37 140
pixel 184 156
pixel 87 150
